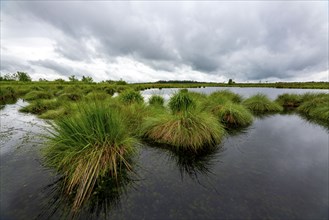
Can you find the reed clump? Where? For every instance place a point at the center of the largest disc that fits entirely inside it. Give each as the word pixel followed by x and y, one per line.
pixel 156 100
pixel 185 128
pixel 97 95
pixel 289 100
pixel 8 95
pixel 131 96
pixel 315 107
pixel 261 104
pixel 34 95
pixel 233 115
pixel 226 94
pixel 181 102
pixel 72 96
pixel 84 148
pixel 40 106
pixel 189 131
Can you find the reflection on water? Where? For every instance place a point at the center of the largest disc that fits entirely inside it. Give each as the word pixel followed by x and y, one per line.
pixel 275 169
pixel 105 197
pixel 190 163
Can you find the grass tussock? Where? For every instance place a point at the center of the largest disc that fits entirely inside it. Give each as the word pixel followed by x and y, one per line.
pixel 181 102
pixel 87 147
pixel 233 115
pixel 156 100
pixel 40 106
pixel 289 100
pixel 8 95
pixel 97 95
pixel 130 97
pixel 315 107
pixel 226 94
pixel 190 132
pixel 34 95
pixel 72 96
pixel 261 104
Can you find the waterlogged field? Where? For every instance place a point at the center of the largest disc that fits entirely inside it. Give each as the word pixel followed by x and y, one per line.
pixel 275 166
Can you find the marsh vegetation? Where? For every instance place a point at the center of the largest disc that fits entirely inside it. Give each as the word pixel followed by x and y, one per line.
pixel 94 136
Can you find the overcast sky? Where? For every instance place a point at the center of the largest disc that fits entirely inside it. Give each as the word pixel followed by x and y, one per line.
pixel 150 41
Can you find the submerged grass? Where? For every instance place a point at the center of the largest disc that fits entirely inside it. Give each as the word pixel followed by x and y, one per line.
pixel 261 104
pixel 92 144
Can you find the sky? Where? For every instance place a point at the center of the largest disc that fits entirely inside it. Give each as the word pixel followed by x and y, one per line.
pixel 247 41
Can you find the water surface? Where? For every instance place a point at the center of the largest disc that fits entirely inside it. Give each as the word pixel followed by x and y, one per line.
pixel 276 169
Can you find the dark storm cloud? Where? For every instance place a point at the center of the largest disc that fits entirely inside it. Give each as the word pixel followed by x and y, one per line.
pixel 244 40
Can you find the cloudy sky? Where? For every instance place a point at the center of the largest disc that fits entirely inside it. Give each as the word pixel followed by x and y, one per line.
pixel 149 41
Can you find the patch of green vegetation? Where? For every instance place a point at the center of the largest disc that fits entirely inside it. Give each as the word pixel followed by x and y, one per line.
pixel 34 95
pixel 40 106
pixel 182 101
pixel 97 95
pixel 226 94
pixel 156 100
pixel 261 104
pixel 73 96
pixel 190 131
pixel 312 101
pixel 289 100
pixel 8 95
pixel 131 96
pixel 55 113
pixel 84 148
pixel 233 115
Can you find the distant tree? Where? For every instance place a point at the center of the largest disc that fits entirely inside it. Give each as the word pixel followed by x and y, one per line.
pixel 42 80
pixel 87 79
pixel 230 81
pixel 73 79
pixel 121 82
pixel 24 77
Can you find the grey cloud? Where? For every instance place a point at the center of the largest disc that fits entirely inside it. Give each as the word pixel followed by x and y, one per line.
pixel 245 40
pixel 12 64
pixel 60 68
